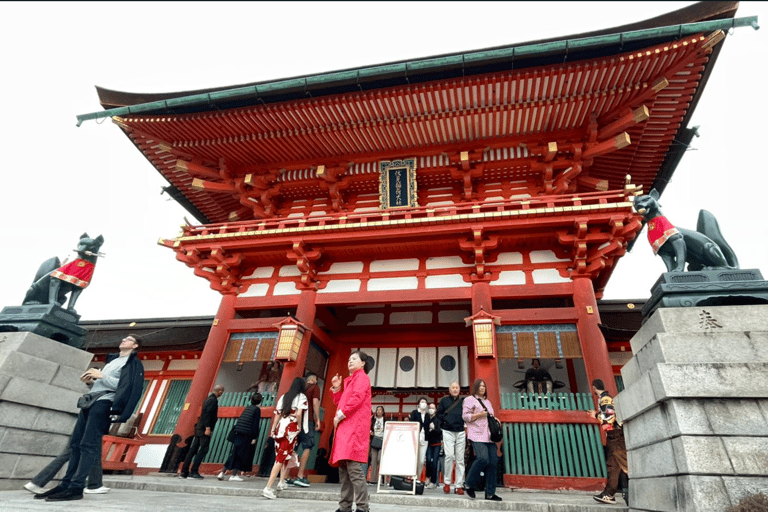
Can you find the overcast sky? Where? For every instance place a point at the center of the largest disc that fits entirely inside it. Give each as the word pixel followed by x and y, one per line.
pixel 60 181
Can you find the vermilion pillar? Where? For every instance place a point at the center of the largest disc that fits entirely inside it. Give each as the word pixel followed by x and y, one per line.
pixel 593 347
pixel 305 313
pixel 486 368
pixel 207 368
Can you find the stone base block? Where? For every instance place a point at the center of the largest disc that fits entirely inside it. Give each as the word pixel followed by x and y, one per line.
pixel 46 320
pixel 39 388
pixel 698 417
pixel 692 493
pixel 716 319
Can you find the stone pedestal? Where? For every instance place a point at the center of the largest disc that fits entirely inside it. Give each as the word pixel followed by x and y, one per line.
pixel 707 288
pixel 39 388
pixel 46 320
pixel 695 408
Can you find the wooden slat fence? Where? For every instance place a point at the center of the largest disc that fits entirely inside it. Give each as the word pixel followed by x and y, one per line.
pixel 552 449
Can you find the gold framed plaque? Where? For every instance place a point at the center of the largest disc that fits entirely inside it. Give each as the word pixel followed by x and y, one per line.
pixel 397 183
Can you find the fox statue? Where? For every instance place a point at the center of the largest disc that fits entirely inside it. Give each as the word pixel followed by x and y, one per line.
pixel 53 280
pixel 704 248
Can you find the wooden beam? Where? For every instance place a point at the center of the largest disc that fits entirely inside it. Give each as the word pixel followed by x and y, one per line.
pixel 210 186
pixel 639 115
pixel 592 183
pixel 601 148
pixel 196 169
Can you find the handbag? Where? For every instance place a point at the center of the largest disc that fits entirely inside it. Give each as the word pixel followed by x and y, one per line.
pixel 494 426
pixel 88 399
pixel 376 442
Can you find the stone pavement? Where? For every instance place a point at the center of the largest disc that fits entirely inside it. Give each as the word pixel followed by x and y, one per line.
pixel 165 493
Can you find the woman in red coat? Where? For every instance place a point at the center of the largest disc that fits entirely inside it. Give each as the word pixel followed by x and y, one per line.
pixel 352 422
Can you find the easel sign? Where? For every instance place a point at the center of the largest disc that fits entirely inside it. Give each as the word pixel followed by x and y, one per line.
pixel 398 452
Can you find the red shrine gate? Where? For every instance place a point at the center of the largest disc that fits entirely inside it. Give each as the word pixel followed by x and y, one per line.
pixel 454 216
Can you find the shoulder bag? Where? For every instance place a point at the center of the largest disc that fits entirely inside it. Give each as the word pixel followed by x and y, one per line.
pixel 494 426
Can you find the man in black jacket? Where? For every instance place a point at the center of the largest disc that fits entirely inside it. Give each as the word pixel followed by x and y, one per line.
pixel 115 391
pixel 203 431
pixel 454 438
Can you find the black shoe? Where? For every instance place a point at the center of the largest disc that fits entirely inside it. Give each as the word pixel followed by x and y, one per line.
pixel 196 475
pixel 56 490
pixel 182 475
pixel 469 492
pixel 66 495
pixel 492 498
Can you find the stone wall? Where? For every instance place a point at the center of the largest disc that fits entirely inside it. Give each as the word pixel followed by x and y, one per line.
pixel 39 388
pixel 695 408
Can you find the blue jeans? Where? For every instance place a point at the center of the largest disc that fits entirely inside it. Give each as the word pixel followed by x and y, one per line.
pixel 433 458
pixel 485 461
pixel 85 443
pixel 48 472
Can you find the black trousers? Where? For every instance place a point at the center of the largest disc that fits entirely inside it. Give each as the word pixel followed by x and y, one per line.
pixel 85 444
pixel 198 450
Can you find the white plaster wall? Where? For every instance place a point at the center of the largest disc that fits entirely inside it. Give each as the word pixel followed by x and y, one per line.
pixel 289 271
pixel 447 281
pixel 394 265
pixel 548 275
pixel 342 286
pixel 368 319
pixel 410 317
pixel 544 257
pixel 509 277
pixel 346 267
pixel 446 262
pixel 393 283
pixel 288 288
pixel 256 290
pixel 183 364
pixel 261 273
pixel 509 258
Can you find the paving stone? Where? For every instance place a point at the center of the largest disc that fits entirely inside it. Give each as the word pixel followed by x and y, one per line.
pixel 652 461
pixel 69 378
pixel 29 442
pixel 55 422
pixel 25 391
pixel 739 487
pixel 18 415
pixel 635 399
pixel 24 365
pixel 7 463
pixel 709 380
pixel 700 320
pixel 701 455
pixel 48 349
pixel 29 465
pixel 748 455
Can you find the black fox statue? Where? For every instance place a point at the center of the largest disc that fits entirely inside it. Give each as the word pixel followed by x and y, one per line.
pixel 702 249
pixel 53 281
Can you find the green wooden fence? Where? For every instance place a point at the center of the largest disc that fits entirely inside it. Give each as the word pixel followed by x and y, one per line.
pixel 552 449
pixel 220 448
pixel 172 406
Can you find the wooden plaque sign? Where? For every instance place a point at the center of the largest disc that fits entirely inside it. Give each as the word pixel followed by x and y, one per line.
pixel 397 183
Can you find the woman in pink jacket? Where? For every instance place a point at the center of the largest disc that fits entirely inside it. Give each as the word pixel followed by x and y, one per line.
pixel 352 424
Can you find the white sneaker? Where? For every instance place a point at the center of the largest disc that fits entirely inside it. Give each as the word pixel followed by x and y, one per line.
pixel 99 490
pixel 235 478
pixel 281 486
pixel 33 488
pixel 268 493
pixel 220 476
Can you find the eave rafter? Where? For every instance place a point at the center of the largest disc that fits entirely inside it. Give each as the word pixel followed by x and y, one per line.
pixel 534 106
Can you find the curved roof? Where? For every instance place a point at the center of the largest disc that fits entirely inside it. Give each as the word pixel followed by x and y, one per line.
pixel 483 101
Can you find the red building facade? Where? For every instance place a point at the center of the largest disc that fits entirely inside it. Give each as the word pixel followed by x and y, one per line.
pixel 454 217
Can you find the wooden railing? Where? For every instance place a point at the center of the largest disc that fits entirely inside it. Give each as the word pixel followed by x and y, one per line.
pixel 550 435
pixel 119 453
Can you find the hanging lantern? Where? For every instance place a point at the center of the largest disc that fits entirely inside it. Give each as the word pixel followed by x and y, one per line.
pixel 484 332
pixel 289 340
